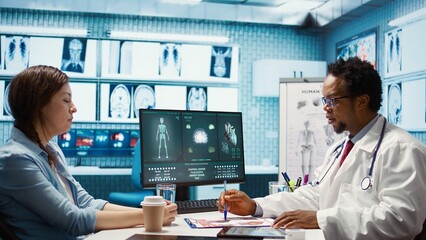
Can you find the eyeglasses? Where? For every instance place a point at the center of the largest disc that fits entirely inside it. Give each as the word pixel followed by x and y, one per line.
pixel 331 102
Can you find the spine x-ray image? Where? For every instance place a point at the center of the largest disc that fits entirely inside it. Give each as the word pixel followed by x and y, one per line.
pixel 220 65
pixel 17 53
pixel 197 98
pixel 120 57
pixel 74 54
pixel 170 59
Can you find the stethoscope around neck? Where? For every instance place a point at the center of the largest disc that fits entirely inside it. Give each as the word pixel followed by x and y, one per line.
pixel 366 182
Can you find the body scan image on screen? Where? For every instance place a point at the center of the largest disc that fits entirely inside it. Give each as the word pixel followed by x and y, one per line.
pixel 191 148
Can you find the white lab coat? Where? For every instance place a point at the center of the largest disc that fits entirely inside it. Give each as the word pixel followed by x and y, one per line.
pixel 393 208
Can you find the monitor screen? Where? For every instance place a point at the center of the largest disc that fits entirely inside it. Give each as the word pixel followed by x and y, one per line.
pixel 98 142
pixel 191 148
pixel 362 45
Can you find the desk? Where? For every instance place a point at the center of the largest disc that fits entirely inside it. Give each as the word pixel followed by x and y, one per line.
pixel 180 227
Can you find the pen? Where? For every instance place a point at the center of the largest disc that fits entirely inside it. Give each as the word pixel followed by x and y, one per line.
pixel 286 177
pixel 305 181
pixel 299 182
pixel 287 180
pixel 225 206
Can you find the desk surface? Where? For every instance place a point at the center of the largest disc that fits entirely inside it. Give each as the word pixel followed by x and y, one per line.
pixel 180 227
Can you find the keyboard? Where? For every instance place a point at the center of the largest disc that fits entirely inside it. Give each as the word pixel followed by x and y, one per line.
pixel 194 206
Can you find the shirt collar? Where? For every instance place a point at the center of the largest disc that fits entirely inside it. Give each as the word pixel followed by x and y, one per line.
pixel 19 137
pixel 365 129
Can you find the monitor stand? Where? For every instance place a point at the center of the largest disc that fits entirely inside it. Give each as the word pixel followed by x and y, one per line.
pixel 183 193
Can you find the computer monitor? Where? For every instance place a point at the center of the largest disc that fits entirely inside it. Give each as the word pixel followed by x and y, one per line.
pixel 191 148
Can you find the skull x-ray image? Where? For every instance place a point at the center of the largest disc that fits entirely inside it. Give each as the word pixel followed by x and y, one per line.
pixel 170 59
pixel 6 107
pixel 197 98
pixel 143 97
pixel 74 54
pixel 395 103
pixel 1 62
pixel 119 102
pixel 17 53
pixel 220 65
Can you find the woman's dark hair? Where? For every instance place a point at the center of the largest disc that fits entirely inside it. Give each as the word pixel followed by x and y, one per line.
pixel 360 78
pixel 29 92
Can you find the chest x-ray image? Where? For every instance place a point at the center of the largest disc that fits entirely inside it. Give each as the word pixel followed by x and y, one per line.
pixel 170 59
pixel 197 98
pixel 394 51
pixel 17 53
pixel 395 103
pixel 143 97
pixel 73 55
pixel 221 61
pixel 119 102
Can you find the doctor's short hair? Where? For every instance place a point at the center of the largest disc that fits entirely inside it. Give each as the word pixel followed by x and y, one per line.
pixel 360 78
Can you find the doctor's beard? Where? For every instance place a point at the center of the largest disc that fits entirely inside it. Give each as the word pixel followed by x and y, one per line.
pixel 340 128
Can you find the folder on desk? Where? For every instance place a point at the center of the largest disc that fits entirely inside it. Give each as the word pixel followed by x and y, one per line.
pixel 245 221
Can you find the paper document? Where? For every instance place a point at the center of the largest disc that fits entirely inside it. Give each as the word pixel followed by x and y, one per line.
pixel 229 222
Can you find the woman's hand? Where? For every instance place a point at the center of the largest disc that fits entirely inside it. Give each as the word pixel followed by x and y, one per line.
pixel 170 212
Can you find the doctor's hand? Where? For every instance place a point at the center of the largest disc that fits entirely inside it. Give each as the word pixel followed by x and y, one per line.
pixel 297 219
pixel 238 202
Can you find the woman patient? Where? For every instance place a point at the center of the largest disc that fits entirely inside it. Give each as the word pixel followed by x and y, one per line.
pixel 39 199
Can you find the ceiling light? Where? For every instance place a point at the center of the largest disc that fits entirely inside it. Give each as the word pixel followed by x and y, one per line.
pixel 306 5
pixel 167 37
pixel 182 1
pixel 409 18
pixel 44 31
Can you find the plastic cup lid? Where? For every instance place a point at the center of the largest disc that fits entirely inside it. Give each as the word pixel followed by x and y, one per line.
pixel 153 201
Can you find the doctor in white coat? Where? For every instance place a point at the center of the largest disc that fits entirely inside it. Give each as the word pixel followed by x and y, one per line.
pixel 364 197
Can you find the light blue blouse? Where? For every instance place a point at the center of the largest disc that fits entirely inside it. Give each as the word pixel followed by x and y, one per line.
pixel 32 199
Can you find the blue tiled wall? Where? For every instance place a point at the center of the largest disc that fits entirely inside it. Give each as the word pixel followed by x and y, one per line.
pixel 257 41
pixel 379 19
pixel 260 115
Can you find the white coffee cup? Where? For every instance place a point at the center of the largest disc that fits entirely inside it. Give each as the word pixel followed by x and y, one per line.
pixel 153 213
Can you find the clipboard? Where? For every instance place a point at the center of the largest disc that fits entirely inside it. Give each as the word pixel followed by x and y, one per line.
pixel 246 221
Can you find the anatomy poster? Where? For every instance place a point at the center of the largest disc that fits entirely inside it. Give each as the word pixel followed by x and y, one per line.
pixel 304 133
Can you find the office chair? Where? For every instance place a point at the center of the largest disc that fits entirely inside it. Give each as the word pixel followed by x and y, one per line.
pixel 5 232
pixel 133 199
